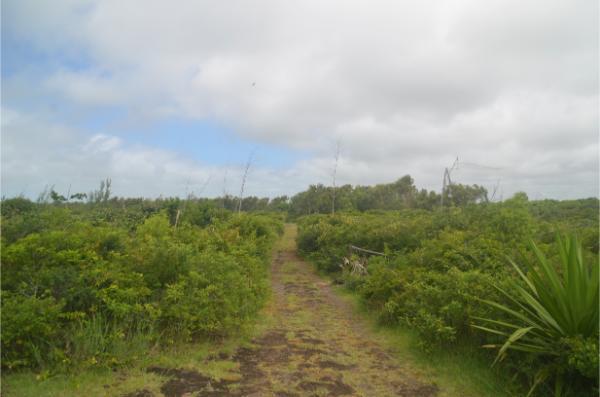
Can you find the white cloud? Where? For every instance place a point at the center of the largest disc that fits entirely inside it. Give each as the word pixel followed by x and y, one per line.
pixel 88 88
pixel 406 86
pixel 101 143
pixel 64 158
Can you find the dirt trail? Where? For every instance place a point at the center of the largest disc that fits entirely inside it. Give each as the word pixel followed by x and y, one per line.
pixel 316 346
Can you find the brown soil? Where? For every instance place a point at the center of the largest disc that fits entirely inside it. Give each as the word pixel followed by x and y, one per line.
pixel 140 393
pixel 317 345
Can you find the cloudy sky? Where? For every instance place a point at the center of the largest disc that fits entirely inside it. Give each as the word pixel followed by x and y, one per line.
pixel 169 97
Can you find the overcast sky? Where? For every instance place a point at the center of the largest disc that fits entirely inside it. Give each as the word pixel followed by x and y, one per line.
pixel 166 97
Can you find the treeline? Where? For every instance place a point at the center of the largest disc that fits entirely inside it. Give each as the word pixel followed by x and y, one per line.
pixel 439 268
pixel 402 194
pixel 321 199
pixel 101 283
pixel 317 199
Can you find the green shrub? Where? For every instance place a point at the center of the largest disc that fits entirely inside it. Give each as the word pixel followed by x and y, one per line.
pixel 88 285
pixel 31 331
pixel 215 299
pixel 440 265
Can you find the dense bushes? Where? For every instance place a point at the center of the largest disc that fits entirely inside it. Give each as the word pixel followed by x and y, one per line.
pixel 84 285
pixel 439 266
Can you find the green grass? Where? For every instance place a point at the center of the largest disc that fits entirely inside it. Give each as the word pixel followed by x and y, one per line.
pixel 102 382
pixel 88 383
pixel 288 240
pixel 458 372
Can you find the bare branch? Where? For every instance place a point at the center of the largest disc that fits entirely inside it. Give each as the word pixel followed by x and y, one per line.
pixel 366 251
pixel 246 169
pixel 496 186
pixel 224 187
pixel 335 167
pixel 187 198
pixel 447 181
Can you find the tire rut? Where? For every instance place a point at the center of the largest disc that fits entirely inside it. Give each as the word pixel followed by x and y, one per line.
pixel 319 346
pixel 316 346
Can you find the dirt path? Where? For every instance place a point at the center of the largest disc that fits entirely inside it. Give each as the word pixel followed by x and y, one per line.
pixel 316 345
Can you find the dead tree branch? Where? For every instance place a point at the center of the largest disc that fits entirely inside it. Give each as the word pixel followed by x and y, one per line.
pixel 246 169
pixel 335 167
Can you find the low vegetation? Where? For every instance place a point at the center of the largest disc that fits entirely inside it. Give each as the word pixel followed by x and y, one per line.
pixel 442 272
pixel 100 284
pixel 94 282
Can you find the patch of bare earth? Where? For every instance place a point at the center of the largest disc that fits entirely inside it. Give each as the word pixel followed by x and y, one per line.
pixel 317 346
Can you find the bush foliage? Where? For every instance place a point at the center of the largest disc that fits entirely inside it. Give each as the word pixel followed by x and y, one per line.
pixel 101 283
pixel 439 267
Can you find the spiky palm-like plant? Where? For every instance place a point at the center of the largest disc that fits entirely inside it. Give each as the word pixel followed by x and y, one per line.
pixel 553 303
